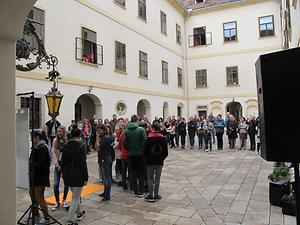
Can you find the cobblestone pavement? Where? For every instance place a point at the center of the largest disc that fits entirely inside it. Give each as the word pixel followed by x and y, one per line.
pixel 227 187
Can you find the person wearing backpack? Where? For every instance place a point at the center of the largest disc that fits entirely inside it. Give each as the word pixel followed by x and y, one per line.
pixel 75 172
pixel 156 151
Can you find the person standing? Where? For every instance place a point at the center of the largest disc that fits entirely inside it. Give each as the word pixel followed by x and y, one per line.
pixel 75 172
pixel 52 125
pixel 58 142
pixel 242 129
pixel 39 170
pixel 232 126
pixel 105 159
pixel 252 132
pixel 219 125
pixel 156 151
pixel 134 141
pixel 113 122
pixel 182 132
pixel 192 128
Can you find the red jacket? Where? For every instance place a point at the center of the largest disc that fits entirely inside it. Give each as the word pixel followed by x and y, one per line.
pixel 124 152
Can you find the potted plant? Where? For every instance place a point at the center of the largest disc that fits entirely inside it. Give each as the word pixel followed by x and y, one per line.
pixel 279 184
pixel 280 173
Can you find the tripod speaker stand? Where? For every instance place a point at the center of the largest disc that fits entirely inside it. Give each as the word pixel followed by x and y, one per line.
pixel 31 214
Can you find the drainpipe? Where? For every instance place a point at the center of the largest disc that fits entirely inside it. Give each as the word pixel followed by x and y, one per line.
pixel 185 67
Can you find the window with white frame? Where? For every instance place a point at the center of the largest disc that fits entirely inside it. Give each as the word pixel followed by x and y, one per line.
pixel 232 75
pixel 142 9
pixel 164 72
pixel 26 102
pixel 178 34
pixel 163 22
pixel 230 31
pixel 201 78
pixel 266 26
pixel 179 77
pixel 121 2
pixel 89 41
pixel 120 56
pixel 143 64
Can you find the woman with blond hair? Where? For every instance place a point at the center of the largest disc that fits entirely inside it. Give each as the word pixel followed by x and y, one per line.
pixel 58 141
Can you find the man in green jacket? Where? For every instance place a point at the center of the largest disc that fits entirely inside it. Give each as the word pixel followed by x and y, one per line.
pixel 134 141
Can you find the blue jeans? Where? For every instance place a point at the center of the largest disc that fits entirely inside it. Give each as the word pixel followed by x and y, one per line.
pixel 57 175
pixel 106 167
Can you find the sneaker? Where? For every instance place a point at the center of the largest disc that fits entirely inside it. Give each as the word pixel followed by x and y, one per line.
pixel 104 199
pixel 71 223
pixel 157 197
pixel 65 205
pixel 136 195
pixel 80 215
pixel 141 195
pixel 149 198
pixel 55 207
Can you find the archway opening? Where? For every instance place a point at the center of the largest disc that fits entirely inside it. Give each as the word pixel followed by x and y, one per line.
pixel 87 106
pixel 144 108
pixel 235 108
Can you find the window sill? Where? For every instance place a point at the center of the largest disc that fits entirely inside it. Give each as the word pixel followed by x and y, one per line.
pixel 232 85
pixel 199 46
pixel 121 72
pixel 230 42
pixel 120 5
pixel 204 87
pixel 163 33
pixel 262 38
pixel 180 87
pixel 142 19
pixel 179 43
pixel 143 77
pixel 88 63
pixel 165 83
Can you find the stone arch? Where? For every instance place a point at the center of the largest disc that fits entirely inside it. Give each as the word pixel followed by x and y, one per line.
pixel 180 108
pixel 216 107
pixel 251 108
pixel 86 106
pixel 144 108
pixel 235 108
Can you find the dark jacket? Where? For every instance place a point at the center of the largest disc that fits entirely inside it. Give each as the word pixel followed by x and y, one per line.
pixel 134 139
pixel 50 125
pixel 182 128
pixel 39 165
pixel 192 128
pixel 73 163
pixel 106 150
pixel 156 149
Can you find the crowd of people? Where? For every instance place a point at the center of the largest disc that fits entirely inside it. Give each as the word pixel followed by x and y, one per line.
pixel 138 147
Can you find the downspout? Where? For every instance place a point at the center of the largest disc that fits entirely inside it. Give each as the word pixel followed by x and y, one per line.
pixel 185 67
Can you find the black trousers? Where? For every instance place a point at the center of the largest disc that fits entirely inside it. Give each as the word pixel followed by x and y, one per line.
pixel 136 168
pixel 220 140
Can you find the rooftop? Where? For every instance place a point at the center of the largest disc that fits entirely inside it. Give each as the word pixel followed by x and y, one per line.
pixel 192 4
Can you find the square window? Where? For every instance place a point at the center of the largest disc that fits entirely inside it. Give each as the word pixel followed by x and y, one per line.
pixel 201 78
pixel 266 26
pixel 232 75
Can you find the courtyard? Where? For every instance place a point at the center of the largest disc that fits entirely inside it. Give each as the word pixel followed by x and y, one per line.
pixel 227 187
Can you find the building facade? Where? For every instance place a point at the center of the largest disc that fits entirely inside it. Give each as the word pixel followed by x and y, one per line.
pixel 154 58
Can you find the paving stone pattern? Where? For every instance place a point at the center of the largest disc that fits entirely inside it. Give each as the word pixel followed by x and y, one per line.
pixel 227 187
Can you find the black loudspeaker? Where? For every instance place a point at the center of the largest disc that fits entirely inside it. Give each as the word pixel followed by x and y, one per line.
pixel 278 91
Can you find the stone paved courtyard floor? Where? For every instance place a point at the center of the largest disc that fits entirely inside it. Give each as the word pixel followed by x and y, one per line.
pixel 228 187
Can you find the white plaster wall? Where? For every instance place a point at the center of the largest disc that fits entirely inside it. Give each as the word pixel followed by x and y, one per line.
pixel 242 53
pixel 295 22
pixel 107 98
pixel 157 46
